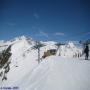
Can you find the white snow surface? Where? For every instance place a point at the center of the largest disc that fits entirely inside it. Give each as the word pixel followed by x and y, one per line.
pixel 53 73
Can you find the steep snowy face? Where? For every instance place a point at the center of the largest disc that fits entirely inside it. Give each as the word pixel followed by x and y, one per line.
pixel 21 45
pixel 69 50
pixel 20 49
pixel 23 58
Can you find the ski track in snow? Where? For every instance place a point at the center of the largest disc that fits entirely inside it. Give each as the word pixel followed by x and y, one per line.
pixel 56 73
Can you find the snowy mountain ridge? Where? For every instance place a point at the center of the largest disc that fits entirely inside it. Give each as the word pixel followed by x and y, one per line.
pixel 28 42
pixel 64 68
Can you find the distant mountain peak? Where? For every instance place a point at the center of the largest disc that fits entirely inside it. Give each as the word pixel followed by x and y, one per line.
pixel 23 37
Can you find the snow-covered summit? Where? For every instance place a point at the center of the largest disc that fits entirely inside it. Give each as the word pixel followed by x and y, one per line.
pixel 23 38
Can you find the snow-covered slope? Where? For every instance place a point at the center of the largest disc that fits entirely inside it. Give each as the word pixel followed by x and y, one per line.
pixel 53 73
pixel 69 50
pixel 22 56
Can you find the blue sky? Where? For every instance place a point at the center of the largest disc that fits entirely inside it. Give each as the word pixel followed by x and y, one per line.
pixel 58 20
